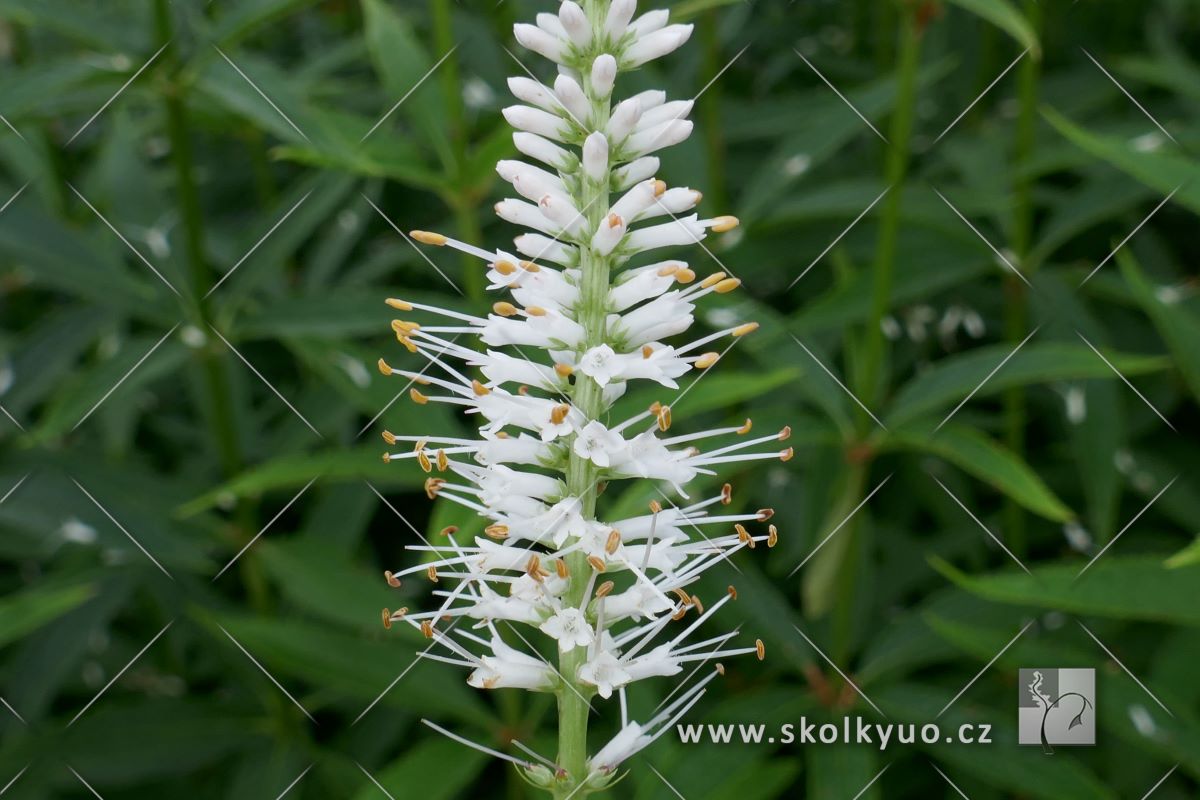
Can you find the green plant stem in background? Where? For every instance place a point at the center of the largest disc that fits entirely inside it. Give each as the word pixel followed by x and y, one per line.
pixel 1016 310
pixel 710 108
pixel 462 202
pixel 896 167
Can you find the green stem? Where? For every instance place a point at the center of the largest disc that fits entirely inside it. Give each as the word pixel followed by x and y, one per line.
pixel 899 136
pixel 1016 309
pixel 710 108
pixel 592 200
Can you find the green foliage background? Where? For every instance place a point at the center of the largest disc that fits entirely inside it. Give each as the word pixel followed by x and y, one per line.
pixel 145 409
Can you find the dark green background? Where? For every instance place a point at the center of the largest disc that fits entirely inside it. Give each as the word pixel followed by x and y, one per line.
pixel 238 144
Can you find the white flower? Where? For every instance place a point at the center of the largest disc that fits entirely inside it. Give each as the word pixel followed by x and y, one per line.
pixel 570 628
pixel 538 377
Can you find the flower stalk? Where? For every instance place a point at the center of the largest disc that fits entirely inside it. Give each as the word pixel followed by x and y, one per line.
pixel 611 596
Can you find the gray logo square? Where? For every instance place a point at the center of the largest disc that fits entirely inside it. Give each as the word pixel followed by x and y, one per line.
pixel 1056 707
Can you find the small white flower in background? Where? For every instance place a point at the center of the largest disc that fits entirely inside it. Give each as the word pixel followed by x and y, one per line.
pixel 578 322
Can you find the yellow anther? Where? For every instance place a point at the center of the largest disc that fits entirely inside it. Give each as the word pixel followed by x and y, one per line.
pixel 786 455
pixel 536 311
pixel 399 304
pixel 699 606
pixel 597 563
pixel 391 579
pixel 786 433
pixel 664 418
pixel 659 187
pixel 559 413
pixel 655 506
pixel 760 648
pixel 424 461
pixel 427 629
pixel 529 266
pixel 727 494
pixel 426 237
pixel 684 597
pixel 707 360
pixel 431 573
pixel 563 370
pixel 417 397
pixel 613 542
pixel 605 589
pixel 384 368
pixel 732 592
pixel 449 530
pixel 772 536
pixel 389 437
pixel 479 389
pixel 497 531
pixel 685 275
pixel 742 431
pixel 764 514
pixel 387 619
pixel 505 309
pixel 561 568
pixel 723 224
pixel 728 285
pixel 712 280
pixel 742 330
pixel 505 267
pixel 720 668
pixel 387 458
pixel 742 534
pixel 432 487
pixel 647 351
pixel 668 269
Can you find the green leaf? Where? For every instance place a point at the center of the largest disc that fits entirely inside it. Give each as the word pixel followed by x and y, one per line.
pixel 1138 588
pixel 1187 557
pixel 956 377
pixel 987 460
pixel 842 771
pixel 1005 16
pixel 294 470
pixel 23 612
pixel 420 773
pixel 1178 328
pixel 317 577
pixel 1163 170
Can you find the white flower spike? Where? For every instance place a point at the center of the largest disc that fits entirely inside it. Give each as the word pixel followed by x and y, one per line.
pixel 576 324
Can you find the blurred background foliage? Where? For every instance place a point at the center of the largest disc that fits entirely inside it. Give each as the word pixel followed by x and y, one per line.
pixel 203 206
